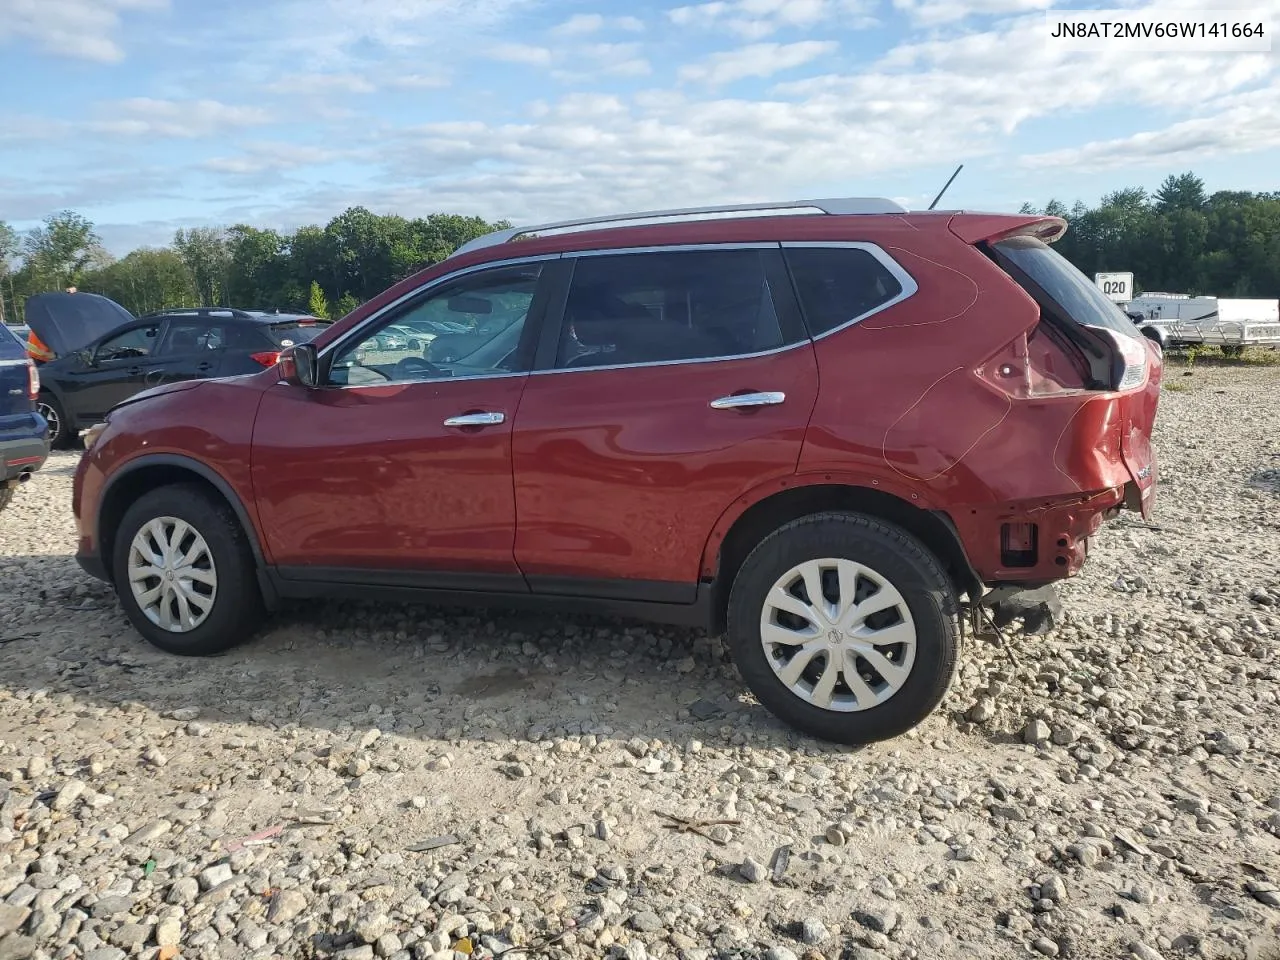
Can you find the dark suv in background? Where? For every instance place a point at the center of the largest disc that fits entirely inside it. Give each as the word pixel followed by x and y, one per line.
pixel 102 354
pixel 814 426
pixel 24 443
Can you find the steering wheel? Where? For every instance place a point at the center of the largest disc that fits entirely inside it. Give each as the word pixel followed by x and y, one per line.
pixel 409 367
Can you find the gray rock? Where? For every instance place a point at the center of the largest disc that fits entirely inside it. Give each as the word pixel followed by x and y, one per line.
pixel 881 920
pixel 1144 952
pixel 1053 888
pixel 12 918
pixel 813 931
pixel 1045 946
pixel 106 953
pixel 647 922
pixel 1036 732
pixel 14 947
pixel 753 871
pixel 68 794
pixel 109 907
pixel 152 831
pixel 168 932
pixel 364 952
pixel 286 905
pixel 184 891
pixel 130 937
pixel 215 876
pixel 780 953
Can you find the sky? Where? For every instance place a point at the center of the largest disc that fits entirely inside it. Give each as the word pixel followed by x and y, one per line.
pixel 151 115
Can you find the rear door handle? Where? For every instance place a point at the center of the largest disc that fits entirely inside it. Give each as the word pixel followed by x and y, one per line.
pixel 476 420
pixel 738 401
pixel 135 371
pixel 202 367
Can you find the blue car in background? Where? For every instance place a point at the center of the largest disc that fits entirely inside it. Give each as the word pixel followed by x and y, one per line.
pixel 24 434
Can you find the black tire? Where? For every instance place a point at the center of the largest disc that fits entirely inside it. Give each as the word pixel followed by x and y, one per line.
pixel 62 434
pixel 896 556
pixel 237 609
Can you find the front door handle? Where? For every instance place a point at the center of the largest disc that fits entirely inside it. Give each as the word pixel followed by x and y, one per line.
pixel 476 420
pixel 204 366
pixel 738 401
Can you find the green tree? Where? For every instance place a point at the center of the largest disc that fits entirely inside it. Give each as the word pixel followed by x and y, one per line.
pixel 145 280
pixel 318 305
pixel 1182 192
pixel 204 252
pixel 9 248
pixel 61 251
pixel 346 303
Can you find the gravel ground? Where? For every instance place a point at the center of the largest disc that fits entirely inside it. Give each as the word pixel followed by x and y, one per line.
pixel 422 782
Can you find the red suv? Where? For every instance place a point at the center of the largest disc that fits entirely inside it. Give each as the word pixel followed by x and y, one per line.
pixel 814 426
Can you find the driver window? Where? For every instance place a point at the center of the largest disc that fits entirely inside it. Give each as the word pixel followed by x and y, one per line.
pixel 471 327
pixel 129 345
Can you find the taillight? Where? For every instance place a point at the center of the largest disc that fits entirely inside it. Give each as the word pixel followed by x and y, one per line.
pixel 33 381
pixel 1132 354
pixel 1036 364
pixel 266 358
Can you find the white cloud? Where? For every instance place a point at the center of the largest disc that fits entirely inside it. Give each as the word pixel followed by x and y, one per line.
pixel 146 117
pixel 584 24
pixel 1248 123
pixel 323 83
pixel 756 60
pixel 82 29
pixel 932 13
pixel 754 19
pixel 419 81
pixel 520 53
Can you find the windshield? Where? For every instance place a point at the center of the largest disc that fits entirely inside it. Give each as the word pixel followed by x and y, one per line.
pixel 1068 288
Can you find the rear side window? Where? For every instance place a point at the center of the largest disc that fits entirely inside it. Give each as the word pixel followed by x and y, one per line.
pixel 11 348
pixel 194 336
pixel 287 334
pixel 1061 283
pixel 839 284
pixel 666 307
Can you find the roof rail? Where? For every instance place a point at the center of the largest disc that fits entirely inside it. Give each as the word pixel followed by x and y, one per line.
pixel 233 312
pixel 840 206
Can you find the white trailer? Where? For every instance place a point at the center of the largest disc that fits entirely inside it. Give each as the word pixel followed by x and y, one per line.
pixel 1179 320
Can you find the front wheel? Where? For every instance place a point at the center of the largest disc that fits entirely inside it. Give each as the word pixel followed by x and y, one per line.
pixel 184 572
pixel 61 432
pixel 845 627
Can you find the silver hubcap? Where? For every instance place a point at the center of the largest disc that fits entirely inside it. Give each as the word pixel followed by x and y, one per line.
pixel 172 574
pixel 838 635
pixel 51 417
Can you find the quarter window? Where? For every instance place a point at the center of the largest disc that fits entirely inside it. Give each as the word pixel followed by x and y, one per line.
pixel 839 284
pixel 194 336
pixel 662 307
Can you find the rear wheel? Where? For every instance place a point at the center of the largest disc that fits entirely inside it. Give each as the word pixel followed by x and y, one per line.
pixel 845 627
pixel 61 433
pixel 184 572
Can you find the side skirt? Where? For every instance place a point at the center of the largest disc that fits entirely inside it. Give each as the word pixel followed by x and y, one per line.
pixel 675 604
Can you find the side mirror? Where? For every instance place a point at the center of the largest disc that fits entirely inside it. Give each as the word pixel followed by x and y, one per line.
pixel 298 365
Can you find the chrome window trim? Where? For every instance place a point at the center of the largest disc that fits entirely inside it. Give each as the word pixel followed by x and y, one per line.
pixel 909 286
pixel 358 332
pixel 676 248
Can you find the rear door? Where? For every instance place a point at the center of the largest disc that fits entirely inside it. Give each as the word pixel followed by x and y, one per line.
pixel 190 348
pixel 675 381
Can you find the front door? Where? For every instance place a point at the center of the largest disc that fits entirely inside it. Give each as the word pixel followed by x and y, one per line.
pixel 120 367
pixel 397 469
pixel 680 381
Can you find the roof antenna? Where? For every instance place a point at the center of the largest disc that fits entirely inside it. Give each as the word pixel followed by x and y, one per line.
pixel 944 187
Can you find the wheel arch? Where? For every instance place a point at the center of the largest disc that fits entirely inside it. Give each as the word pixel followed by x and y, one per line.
pixel 740 529
pixel 153 471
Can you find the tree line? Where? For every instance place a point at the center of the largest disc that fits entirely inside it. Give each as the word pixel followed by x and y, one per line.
pixel 325 270
pixel 1179 239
